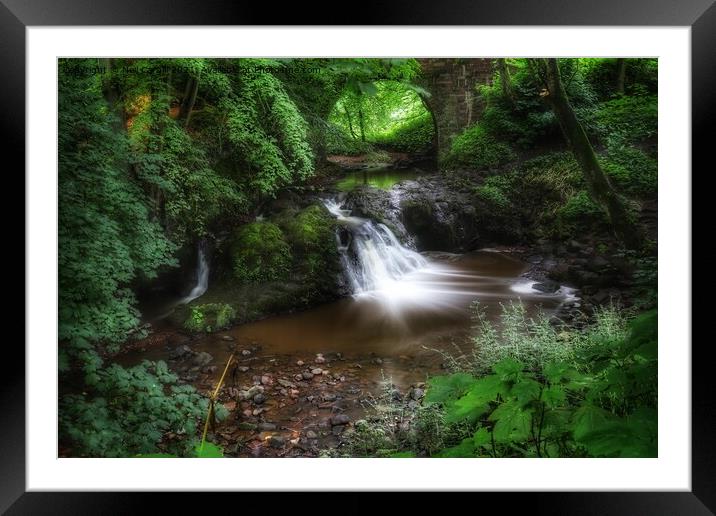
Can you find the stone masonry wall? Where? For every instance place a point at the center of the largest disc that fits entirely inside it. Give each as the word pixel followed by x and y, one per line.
pixel 454 102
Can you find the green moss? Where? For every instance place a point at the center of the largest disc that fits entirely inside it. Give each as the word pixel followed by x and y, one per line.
pixel 210 317
pixel 259 252
pixel 311 235
pixel 476 149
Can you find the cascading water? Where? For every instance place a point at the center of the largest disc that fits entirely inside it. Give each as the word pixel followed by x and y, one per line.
pixel 373 258
pixel 202 276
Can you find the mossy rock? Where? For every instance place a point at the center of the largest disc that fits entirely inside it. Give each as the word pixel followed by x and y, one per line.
pixel 259 252
pixel 311 234
pixel 210 317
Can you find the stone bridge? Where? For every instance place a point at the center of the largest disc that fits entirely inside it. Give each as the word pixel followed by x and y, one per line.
pixel 454 102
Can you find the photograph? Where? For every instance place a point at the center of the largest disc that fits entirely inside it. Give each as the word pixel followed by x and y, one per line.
pixel 357 257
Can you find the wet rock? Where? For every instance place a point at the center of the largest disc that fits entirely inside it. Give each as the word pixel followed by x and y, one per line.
pixel 266 427
pixel 202 358
pixel 277 441
pixel 180 352
pixel 340 419
pixel 417 394
pixel 259 398
pixel 535 259
pixel 547 286
pixel 286 383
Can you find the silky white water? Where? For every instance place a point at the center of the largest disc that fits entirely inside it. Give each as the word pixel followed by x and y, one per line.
pixel 202 277
pixel 373 258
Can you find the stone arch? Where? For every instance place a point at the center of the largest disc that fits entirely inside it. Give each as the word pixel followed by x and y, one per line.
pixel 454 102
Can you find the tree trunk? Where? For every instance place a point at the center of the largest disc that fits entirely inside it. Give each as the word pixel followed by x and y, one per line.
pixel 505 80
pixel 597 182
pixel 187 104
pixel 362 126
pixel 350 122
pixel 621 74
pixel 112 96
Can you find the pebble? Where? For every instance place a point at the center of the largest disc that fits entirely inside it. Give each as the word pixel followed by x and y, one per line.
pixel 417 394
pixel 202 358
pixel 317 370
pixel 286 383
pixel 227 338
pixel 243 368
pixel 340 419
pixel 276 441
pixel 377 361
pixel 306 375
pixel 319 359
pixel 311 435
pixel 259 398
pixel 299 363
pixel 245 352
pixel 245 425
pixel 266 427
pixel 329 397
pixel 266 380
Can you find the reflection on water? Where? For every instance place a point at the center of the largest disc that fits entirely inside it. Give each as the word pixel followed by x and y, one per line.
pixel 421 309
pixel 380 178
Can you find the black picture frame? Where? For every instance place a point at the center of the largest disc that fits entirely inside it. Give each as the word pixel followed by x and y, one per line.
pixel 700 15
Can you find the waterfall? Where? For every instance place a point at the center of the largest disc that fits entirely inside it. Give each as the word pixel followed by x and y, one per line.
pixel 202 276
pixel 373 259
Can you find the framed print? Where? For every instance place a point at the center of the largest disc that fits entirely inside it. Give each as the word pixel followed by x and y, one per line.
pixel 446 250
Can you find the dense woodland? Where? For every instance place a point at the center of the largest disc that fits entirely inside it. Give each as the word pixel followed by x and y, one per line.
pixel 159 156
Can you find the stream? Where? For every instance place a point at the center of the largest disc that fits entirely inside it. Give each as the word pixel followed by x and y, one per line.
pixel 406 306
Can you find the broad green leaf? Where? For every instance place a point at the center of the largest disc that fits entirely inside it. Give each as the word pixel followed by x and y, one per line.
pixel 482 438
pixel 512 423
pixel 508 369
pixel 208 451
pixel 588 418
pixel 450 387
pixel 465 449
pixel 526 390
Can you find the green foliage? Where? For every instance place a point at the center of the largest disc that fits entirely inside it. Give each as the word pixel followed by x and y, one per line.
pixel 603 404
pixel 579 207
pixel 210 317
pixel 259 252
pixel 495 191
pixel 641 76
pixel 125 412
pixel 632 171
pixel 626 120
pixel 524 119
pixel 413 136
pixel 476 149
pixel 106 235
